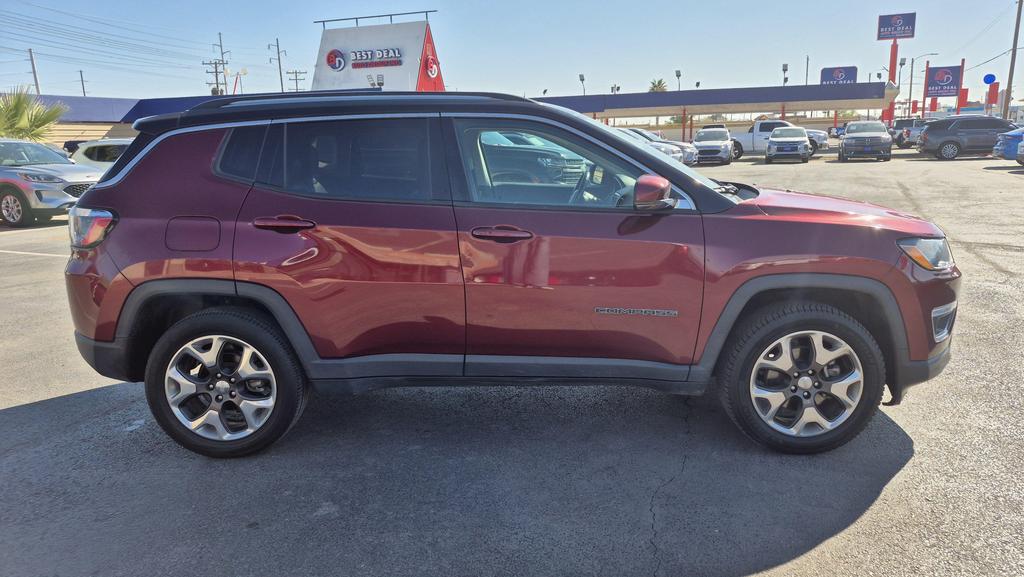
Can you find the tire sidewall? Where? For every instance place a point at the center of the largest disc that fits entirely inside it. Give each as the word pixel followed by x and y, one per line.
pixel 854 335
pixel 290 381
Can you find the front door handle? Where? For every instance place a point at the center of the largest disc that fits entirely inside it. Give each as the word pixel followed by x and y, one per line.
pixel 504 234
pixel 283 223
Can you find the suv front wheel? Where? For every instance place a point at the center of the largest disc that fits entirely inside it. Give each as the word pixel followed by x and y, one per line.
pixel 224 383
pixel 801 378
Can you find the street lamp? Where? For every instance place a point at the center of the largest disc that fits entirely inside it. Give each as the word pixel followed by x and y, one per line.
pixel 785 69
pixel 679 77
pixel 380 81
pixel 698 84
pixel 583 81
pixel 911 91
pixel 899 77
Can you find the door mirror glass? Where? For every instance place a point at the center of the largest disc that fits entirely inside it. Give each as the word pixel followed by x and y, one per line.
pixel 652 192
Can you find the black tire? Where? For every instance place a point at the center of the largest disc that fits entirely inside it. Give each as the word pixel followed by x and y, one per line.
pixel 814 147
pixel 737 150
pixel 1020 162
pixel 253 328
pixel 942 151
pixel 767 160
pixel 756 333
pixel 26 217
pixel 804 159
pixel 842 158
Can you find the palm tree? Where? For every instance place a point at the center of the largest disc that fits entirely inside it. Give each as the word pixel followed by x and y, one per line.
pixel 24 117
pixel 658 85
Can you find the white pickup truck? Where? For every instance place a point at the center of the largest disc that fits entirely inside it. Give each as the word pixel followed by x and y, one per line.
pixel 756 139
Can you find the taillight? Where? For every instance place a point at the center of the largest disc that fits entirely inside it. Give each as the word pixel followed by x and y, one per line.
pixel 89 226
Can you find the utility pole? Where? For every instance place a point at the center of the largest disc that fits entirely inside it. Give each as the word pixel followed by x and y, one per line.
pixel 807 70
pixel 216 72
pixel 295 76
pixel 223 62
pixel 1008 94
pixel 277 45
pixel 82 80
pixel 35 76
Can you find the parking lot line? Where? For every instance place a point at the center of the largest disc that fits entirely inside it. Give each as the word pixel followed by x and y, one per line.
pixel 24 230
pixel 33 253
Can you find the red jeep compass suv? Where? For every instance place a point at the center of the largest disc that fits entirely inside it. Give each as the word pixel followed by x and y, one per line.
pixel 249 247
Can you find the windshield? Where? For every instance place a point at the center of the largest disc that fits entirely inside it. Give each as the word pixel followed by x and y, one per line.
pixel 27 153
pixel 711 135
pixel 865 127
pixel 789 132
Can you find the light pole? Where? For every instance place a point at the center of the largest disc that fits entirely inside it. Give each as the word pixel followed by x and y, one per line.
pixel 583 83
pixel 899 77
pixel 785 69
pixel 910 92
pixel 679 80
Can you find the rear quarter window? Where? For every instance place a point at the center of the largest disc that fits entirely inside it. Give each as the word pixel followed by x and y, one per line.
pixel 134 149
pixel 241 152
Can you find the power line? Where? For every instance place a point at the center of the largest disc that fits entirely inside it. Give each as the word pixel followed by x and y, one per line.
pixel 218 68
pixel 277 46
pixel 295 76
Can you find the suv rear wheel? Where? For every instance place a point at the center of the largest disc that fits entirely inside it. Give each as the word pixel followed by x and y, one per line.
pixel 948 151
pixel 224 383
pixel 801 378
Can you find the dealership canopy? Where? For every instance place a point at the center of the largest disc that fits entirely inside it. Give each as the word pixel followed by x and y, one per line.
pixel 856 96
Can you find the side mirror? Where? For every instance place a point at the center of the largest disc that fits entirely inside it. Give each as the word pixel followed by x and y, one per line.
pixel 652 192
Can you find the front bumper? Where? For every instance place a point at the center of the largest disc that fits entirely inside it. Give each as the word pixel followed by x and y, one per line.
pixel 713 155
pixel 54 197
pixel 869 151
pixel 908 373
pixel 776 155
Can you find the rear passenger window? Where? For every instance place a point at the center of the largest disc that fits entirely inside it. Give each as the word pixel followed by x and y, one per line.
pixel 241 152
pixel 383 159
pixel 105 153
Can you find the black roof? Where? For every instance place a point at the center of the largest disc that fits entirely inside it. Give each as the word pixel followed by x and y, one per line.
pixel 326 103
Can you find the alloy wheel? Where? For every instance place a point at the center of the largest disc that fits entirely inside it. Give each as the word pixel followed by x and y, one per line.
pixel 806 383
pixel 220 388
pixel 10 206
pixel 950 151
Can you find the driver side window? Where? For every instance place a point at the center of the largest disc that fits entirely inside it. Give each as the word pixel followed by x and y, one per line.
pixel 520 162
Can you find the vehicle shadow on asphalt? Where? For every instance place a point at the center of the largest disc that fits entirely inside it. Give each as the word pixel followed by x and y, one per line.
pixel 417 481
pixel 1012 167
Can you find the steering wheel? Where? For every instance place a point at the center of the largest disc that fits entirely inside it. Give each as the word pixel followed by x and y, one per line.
pixel 580 188
pixel 615 199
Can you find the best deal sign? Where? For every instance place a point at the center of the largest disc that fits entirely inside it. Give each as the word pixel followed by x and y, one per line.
pixel 896 26
pixel 402 55
pixel 942 81
pixel 839 75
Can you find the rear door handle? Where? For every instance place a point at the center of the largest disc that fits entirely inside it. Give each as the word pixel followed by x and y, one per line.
pixel 504 234
pixel 283 223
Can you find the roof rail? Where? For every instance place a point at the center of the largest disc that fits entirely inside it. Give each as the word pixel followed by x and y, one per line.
pixel 342 95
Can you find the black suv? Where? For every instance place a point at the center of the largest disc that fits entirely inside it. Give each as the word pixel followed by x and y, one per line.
pixel 954 136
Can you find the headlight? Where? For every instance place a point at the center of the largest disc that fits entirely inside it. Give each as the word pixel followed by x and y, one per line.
pixel 928 253
pixel 804 146
pixel 35 177
pixel 726 146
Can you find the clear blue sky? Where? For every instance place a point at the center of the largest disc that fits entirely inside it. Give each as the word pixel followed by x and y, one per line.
pixel 521 46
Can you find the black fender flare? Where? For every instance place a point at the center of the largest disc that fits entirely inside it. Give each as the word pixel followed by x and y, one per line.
pixel 704 370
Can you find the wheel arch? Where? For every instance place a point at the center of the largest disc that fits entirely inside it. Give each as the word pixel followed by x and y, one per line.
pixel 867 300
pixel 152 307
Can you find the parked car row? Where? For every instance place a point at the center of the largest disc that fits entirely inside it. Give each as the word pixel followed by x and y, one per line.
pixel 38 182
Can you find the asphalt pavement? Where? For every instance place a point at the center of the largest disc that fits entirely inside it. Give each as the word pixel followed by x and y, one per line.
pixel 531 481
